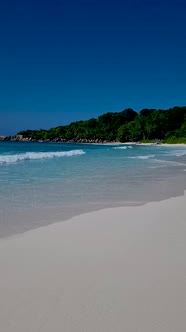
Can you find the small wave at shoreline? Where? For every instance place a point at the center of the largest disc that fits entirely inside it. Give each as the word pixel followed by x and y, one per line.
pixel 165 163
pixel 14 158
pixel 180 154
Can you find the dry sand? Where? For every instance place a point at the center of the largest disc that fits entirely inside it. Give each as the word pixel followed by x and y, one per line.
pixel 121 269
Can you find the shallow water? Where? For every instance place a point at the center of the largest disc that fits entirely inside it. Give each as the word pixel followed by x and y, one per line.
pixel 42 183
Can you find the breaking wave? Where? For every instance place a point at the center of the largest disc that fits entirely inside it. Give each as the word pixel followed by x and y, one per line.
pixel 143 157
pixel 14 158
pixel 123 147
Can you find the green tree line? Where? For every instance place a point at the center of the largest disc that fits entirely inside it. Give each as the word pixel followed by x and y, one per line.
pixel 126 126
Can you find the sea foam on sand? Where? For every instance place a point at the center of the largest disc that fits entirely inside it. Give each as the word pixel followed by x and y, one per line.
pixel 121 269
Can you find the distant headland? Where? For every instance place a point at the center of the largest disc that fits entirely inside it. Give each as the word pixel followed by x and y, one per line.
pixel 149 125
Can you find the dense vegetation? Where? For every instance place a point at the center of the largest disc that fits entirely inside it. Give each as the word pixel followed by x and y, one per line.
pixel 128 125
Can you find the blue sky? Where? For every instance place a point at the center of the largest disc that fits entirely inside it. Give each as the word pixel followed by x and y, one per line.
pixel 62 61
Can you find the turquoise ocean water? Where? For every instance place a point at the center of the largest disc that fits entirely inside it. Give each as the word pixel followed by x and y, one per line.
pixel 42 183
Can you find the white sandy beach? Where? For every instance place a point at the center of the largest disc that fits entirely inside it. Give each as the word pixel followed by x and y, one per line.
pixel 121 269
pixel 181 145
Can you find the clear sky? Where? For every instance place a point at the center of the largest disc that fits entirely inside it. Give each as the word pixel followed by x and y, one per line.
pixel 62 61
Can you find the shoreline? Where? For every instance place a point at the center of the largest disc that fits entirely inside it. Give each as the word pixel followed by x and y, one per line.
pixel 46 218
pixel 93 142
pixel 95 210
pixel 94 272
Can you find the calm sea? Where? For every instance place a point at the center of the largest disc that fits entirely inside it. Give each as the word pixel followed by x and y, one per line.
pixel 41 183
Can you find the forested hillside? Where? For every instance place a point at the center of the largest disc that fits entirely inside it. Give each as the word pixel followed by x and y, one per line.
pixel 128 125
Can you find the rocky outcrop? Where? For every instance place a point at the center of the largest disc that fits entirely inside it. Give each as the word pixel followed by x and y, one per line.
pixel 2 138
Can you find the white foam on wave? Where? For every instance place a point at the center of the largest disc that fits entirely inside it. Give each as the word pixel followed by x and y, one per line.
pixel 14 158
pixel 143 157
pixel 123 147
